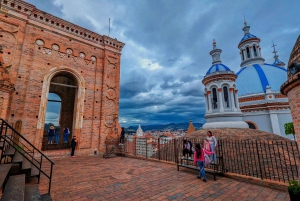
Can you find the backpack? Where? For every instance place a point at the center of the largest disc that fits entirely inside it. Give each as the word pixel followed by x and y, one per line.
pixel 207 160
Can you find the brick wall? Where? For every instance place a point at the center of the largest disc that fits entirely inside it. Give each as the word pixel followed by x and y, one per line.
pixel 294 101
pixel 36 46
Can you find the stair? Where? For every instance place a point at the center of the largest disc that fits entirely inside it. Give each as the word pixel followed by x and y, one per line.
pixel 19 165
pixel 32 193
pixel 4 169
pixel 9 152
pixel 14 189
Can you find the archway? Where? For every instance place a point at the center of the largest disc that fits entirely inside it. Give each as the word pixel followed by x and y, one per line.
pixel 69 86
pixel 60 111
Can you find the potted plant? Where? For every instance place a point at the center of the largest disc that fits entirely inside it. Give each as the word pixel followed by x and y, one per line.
pixel 294 190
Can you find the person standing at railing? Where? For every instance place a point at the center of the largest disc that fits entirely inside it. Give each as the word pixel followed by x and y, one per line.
pixel 73 146
pixel 51 133
pixel 199 159
pixel 122 136
pixel 187 148
pixel 66 134
pixel 57 134
pixel 213 144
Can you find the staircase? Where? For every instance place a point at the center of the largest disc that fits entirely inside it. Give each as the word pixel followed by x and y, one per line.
pixel 20 163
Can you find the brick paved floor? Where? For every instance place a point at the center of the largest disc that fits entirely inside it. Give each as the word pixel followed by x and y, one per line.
pixel 122 178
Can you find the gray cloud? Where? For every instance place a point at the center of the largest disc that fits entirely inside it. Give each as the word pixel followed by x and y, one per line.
pixel 168 44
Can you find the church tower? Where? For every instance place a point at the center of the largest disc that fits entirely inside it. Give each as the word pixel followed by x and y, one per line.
pixel 139 132
pixel 250 50
pixel 221 95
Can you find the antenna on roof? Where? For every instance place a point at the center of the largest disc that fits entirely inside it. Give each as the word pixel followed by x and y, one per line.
pixel 108 26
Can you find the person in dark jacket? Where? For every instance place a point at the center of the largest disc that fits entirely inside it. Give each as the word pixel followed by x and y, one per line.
pixel 187 148
pixel 66 134
pixel 51 133
pixel 122 136
pixel 57 134
pixel 73 146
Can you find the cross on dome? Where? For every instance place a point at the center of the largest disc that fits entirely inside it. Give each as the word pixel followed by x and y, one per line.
pixel 277 62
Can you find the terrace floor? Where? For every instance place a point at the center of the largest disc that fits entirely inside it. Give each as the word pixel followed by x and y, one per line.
pixel 123 178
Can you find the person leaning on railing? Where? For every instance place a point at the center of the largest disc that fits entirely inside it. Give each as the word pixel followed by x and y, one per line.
pixel 213 144
pixel 187 149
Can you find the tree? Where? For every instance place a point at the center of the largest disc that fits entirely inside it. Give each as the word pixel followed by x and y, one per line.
pixel 289 129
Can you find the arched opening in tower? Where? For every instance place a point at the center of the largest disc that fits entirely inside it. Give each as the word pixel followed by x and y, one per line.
pixel 60 112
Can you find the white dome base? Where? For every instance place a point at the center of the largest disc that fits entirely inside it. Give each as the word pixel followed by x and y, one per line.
pixel 227 124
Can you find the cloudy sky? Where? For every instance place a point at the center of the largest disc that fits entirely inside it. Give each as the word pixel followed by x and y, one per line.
pixel 168 43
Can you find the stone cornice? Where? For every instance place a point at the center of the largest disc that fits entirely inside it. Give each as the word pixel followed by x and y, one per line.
pixel 34 14
pixel 219 77
pixel 265 106
pixel 253 98
pixel 290 84
pixel 247 40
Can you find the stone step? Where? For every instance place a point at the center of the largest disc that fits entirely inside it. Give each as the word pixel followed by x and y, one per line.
pixel 32 193
pixel 26 165
pixel 46 197
pixel 29 168
pixel 4 169
pixel 18 158
pixel 14 189
pixel 9 152
pixel 34 171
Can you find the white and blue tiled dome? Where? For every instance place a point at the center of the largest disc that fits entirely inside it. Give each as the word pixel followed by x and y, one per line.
pixel 217 67
pixel 247 36
pixel 255 78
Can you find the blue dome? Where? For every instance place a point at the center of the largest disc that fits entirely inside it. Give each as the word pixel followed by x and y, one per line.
pixel 217 67
pixel 277 62
pixel 247 36
pixel 255 78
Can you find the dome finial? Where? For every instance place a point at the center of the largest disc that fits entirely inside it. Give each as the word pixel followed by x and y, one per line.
pixel 215 53
pixel 277 62
pixel 246 28
pixel 214 44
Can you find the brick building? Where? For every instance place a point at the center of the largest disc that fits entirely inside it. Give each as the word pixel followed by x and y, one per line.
pixel 291 87
pixel 41 55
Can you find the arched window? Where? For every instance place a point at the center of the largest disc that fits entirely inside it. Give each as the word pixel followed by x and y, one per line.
pixel 254 50
pixel 251 125
pixel 248 52
pixel 214 99
pixel 226 99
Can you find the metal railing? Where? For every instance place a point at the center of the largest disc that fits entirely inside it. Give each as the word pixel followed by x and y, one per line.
pixel 272 160
pixel 13 138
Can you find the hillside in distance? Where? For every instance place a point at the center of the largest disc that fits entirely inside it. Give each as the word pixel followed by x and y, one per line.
pixel 164 127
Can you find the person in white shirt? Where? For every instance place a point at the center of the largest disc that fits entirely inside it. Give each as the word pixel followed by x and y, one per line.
pixel 213 144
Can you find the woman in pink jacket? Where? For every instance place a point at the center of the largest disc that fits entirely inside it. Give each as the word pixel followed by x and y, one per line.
pixel 199 158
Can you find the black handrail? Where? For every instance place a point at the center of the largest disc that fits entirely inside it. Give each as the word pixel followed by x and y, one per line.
pixel 26 154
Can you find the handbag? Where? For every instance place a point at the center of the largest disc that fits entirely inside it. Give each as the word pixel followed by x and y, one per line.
pixel 207 160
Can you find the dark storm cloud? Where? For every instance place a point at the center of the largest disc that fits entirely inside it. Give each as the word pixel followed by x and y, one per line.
pixel 135 85
pixel 168 43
